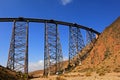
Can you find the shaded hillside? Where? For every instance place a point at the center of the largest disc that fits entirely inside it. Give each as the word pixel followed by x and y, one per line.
pixel 7 74
pixel 106 51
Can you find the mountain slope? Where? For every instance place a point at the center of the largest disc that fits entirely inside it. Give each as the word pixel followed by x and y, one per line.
pixel 7 74
pixel 106 51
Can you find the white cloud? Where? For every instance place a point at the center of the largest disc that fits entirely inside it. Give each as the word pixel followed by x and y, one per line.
pixel 65 2
pixel 33 66
pixel 65 58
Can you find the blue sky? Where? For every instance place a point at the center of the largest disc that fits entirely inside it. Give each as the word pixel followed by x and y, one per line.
pixel 96 14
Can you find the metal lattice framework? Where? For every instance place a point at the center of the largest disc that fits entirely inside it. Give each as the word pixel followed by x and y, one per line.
pixel 53 52
pixel 90 36
pixel 90 41
pixel 76 43
pixel 18 52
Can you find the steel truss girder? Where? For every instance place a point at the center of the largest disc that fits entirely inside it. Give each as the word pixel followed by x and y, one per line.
pixel 48 21
pixel 76 43
pixel 52 52
pixel 90 36
pixel 18 52
pixel 90 40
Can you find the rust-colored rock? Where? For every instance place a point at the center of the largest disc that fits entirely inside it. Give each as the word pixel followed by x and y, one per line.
pixel 106 52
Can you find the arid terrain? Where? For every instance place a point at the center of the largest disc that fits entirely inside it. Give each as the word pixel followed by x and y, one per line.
pixel 82 76
pixel 102 63
pixel 7 74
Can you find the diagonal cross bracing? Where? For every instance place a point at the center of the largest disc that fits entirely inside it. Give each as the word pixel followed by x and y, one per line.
pixel 76 43
pixel 52 51
pixel 90 36
pixel 18 52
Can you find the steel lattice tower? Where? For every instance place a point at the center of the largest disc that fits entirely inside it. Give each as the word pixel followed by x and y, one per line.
pixel 52 51
pixel 90 40
pixel 76 43
pixel 90 36
pixel 18 52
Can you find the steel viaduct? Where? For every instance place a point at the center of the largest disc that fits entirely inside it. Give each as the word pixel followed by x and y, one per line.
pixel 53 57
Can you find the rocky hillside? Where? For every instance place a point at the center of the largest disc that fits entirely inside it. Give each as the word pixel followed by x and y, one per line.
pixel 7 74
pixel 106 51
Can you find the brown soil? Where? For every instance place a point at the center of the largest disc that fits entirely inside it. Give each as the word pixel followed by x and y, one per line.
pixel 106 52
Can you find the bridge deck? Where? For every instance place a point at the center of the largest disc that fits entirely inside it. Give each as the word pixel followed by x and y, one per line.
pixel 21 19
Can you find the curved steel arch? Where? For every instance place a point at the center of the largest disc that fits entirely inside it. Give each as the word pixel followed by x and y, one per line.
pixel 21 19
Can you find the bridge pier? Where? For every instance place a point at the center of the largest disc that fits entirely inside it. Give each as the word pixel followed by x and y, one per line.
pixel 52 52
pixel 76 43
pixel 18 52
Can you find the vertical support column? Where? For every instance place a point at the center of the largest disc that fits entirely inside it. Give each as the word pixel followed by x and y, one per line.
pixel 81 45
pixel 10 62
pixel 76 43
pixel 52 51
pixel 90 40
pixel 46 53
pixel 90 36
pixel 18 52
pixel 73 44
pixel 56 48
pixel 69 54
pixel 59 54
pixel 26 52
pixel 80 40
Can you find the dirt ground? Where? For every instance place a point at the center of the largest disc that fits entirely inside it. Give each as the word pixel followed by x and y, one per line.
pixel 83 76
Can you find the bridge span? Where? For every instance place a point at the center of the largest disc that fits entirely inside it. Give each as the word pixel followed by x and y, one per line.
pixel 18 51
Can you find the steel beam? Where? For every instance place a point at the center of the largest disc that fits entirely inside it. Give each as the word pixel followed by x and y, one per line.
pixel 18 52
pixel 48 21
pixel 52 52
pixel 90 36
pixel 76 43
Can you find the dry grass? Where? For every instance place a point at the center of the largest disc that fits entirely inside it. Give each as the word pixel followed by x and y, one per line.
pixel 60 78
pixel 117 70
pixel 7 74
